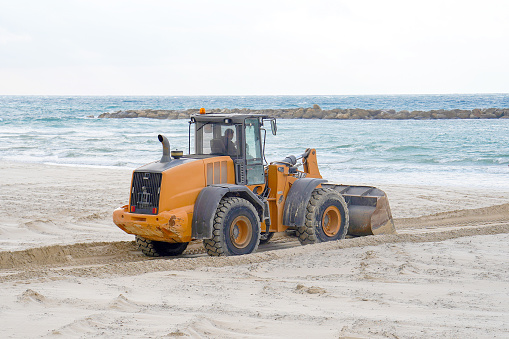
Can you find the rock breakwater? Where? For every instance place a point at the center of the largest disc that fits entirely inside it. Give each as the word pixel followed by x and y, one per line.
pixel 316 112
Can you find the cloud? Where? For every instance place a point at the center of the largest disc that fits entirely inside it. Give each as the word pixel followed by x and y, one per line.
pixel 259 47
pixel 7 37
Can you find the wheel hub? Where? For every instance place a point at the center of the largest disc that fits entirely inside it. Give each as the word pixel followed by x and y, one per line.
pixel 331 221
pixel 241 232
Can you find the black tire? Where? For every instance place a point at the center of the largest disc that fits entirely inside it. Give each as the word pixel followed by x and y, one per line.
pixel 326 218
pixel 236 229
pixel 152 248
pixel 265 237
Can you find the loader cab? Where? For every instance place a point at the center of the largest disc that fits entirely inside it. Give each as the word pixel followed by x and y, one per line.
pixel 234 135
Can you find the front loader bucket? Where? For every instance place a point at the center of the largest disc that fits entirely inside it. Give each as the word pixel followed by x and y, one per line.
pixel 369 210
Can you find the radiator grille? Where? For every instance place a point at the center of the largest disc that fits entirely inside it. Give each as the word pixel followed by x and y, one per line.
pixel 145 192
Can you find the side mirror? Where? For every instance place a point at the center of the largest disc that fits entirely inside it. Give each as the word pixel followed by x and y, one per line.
pixel 273 126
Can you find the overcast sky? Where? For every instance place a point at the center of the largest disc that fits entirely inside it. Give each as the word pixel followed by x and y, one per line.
pixel 189 47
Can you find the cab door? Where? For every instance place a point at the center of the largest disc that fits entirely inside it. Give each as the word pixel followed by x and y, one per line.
pixel 253 153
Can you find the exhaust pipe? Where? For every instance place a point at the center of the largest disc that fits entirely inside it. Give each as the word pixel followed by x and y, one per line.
pixel 166 148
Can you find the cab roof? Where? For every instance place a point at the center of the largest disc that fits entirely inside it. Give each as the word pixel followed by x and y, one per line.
pixel 219 117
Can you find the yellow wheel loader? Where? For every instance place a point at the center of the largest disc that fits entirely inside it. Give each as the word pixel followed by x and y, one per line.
pixel 227 195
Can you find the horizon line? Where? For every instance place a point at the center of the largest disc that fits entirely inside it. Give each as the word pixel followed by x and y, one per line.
pixel 243 95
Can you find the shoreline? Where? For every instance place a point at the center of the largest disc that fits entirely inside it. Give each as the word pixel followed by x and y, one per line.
pixel 316 112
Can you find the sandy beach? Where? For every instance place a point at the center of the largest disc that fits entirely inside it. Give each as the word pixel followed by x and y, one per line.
pixel 67 271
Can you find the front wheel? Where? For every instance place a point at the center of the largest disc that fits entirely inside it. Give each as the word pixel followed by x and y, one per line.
pixel 152 248
pixel 326 218
pixel 236 228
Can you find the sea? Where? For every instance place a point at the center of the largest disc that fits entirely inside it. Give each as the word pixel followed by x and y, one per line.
pixel 60 130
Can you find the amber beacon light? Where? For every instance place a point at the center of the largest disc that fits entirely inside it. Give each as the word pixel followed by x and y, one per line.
pixel 202 110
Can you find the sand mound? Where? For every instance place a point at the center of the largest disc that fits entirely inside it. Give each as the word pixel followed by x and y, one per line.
pixel 123 259
pixel 121 303
pixel 30 296
pixel 84 253
pixel 485 215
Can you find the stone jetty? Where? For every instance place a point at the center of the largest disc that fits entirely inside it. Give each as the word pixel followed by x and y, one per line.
pixel 316 112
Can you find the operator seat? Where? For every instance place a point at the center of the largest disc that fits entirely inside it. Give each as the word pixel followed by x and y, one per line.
pixel 217 146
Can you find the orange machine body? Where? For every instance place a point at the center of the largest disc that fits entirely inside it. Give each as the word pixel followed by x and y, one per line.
pixel 280 181
pixel 180 187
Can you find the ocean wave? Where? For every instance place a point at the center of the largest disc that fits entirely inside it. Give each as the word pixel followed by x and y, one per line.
pixel 56 131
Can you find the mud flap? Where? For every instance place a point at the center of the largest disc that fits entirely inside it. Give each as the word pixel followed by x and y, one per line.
pixel 297 200
pixel 208 201
pixel 204 211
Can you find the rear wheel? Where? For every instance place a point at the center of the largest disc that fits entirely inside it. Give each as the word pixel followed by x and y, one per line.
pixel 152 248
pixel 326 218
pixel 236 228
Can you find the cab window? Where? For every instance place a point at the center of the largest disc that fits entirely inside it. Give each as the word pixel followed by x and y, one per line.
pixel 254 161
pixel 217 139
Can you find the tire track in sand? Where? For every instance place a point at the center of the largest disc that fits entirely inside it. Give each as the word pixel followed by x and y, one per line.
pixel 123 257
